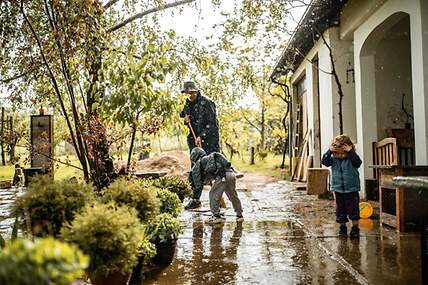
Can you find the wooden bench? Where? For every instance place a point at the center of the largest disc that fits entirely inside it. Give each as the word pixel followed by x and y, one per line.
pixel 399 208
pixel 391 151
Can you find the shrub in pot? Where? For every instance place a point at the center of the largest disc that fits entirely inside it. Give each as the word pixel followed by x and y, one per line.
pixel 169 202
pixel 111 235
pixel 44 261
pixel 47 204
pixel 129 192
pixel 147 252
pixel 163 232
pixel 174 184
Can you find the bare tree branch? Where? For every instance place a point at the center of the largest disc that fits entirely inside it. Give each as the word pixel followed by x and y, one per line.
pixel 109 4
pixel 145 13
pixel 51 75
pixel 249 122
pixel 336 78
pixel 16 76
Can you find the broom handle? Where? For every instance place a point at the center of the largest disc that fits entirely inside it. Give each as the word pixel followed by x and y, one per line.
pixel 191 129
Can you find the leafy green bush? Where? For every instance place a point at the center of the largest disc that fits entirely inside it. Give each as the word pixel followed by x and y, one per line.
pixel 129 192
pixel 111 235
pixel 262 155
pixel 170 203
pixel 174 184
pixel 163 228
pixel 47 204
pixel 147 249
pixel 44 261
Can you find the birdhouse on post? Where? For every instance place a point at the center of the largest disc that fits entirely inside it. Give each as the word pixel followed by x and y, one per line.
pixel 42 144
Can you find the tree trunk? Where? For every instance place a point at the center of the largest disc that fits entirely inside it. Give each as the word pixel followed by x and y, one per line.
pixel 13 141
pixel 262 127
pixel 131 147
pixel 160 144
pixel 284 149
pixel 2 136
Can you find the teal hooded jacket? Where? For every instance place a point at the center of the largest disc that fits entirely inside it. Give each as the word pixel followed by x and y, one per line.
pixel 344 172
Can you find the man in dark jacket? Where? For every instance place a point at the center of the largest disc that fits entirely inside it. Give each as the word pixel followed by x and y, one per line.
pixel 213 167
pixel 199 114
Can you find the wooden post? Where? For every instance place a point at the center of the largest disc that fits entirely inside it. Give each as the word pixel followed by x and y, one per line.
pixel 252 155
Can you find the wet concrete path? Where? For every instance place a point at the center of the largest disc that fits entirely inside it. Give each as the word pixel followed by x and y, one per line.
pixel 287 237
pixel 7 196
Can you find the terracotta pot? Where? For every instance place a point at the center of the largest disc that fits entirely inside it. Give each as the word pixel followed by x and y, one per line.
pixel 113 278
pixel 165 252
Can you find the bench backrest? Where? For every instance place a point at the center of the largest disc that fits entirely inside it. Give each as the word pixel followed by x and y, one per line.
pixel 389 151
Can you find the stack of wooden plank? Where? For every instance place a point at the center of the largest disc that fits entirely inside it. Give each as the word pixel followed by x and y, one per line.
pixel 302 162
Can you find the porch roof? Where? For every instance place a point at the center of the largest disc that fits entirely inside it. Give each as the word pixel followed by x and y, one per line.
pixel 318 17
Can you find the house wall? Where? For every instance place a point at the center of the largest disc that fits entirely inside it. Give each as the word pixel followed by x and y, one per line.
pixel 367 129
pixel 393 78
pixel 354 14
pixel 343 54
pixel 306 68
pixel 328 121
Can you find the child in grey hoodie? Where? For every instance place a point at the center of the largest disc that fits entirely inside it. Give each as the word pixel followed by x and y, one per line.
pixel 214 167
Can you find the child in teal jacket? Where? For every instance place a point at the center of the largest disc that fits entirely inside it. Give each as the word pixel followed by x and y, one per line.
pixel 345 182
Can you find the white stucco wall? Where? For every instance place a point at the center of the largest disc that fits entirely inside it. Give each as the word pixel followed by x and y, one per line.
pixel 393 78
pixel 355 13
pixel 343 55
pixel 325 91
pixel 366 114
pixel 328 95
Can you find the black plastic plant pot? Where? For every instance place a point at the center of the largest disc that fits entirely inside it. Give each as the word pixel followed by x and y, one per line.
pixel 164 253
pixel 112 278
pixel 137 272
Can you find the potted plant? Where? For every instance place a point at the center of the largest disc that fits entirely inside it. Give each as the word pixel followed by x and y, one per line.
pixel 44 261
pixel 129 192
pixel 147 252
pixel 111 235
pixel 47 204
pixel 169 202
pixel 174 184
pixel 163 232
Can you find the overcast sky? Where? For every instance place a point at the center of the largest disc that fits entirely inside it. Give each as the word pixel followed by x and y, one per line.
pixel 198 23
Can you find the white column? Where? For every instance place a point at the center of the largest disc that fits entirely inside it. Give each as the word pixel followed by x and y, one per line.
pixel 365 111
pixel 326 98
pixel 419 42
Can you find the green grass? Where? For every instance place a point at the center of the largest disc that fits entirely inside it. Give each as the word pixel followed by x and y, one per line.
pixel 61 171
pixel 268 166
pixel 6 172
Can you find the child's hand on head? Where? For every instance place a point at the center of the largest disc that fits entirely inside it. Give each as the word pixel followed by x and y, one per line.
pixel 347 148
